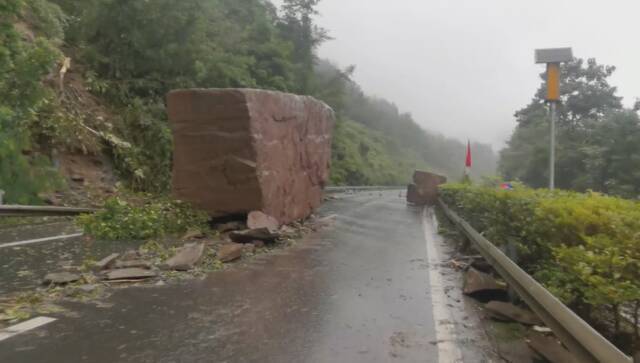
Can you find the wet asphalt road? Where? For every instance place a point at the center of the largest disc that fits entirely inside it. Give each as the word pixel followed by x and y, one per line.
pixel 357 291
pixel 23 267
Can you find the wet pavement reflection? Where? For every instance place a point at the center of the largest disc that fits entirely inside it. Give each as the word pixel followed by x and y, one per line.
pixel 356 291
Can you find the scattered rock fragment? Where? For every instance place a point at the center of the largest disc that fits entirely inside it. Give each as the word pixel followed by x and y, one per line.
pixel 106 262
pixel 509 312
pixel 550 348
pixel 129 274
pixel 186 258
pixel 250 235
pixel 258 244
pixel 482 265
pixel 87 288
pixel 230 252
pixel 288 230
pixel 258 219
pixel 230 226
pixel 130 255
pixel 481 285
pixel 249 248
pixel 193 234
pixel 60 278
pixel 145 264
pixel 542 329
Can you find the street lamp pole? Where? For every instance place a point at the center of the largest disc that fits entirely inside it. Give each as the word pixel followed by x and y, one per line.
pixel 552 157
pixel 552 58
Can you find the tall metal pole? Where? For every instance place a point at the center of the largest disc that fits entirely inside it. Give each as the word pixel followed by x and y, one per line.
pixel 552 156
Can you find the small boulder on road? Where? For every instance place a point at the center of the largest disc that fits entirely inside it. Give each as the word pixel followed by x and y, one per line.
pixel 186 258
pixel 60 278
pixel 230 252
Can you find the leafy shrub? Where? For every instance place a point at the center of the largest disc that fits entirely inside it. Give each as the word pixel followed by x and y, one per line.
pixel 123 220
pixel 584 247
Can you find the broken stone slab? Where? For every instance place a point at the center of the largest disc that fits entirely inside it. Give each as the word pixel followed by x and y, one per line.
pixel 145 264
pixel 257 220
pixel 480 284
pixel 550 348
pixel 242 150
pixel 60 278
pixel 509 312
pixel 106 262
pixel 186 258
pixel 129 274
pixel 250 235
pixel 231 226
pixel 229 252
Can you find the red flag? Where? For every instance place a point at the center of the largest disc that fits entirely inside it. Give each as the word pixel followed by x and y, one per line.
pixel 468 161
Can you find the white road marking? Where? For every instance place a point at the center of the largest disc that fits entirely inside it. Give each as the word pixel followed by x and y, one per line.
pixel 40 240
pixel 24 327
pixel 448 351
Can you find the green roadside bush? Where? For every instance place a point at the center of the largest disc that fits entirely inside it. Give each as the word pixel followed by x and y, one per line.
pixel 125 220
pixel 585 248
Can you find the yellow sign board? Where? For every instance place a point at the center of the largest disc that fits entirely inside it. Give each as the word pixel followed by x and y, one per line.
pixel 553 82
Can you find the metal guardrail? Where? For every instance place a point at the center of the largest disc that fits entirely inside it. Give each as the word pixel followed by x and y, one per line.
pixel 586 344
pixel 362 188
pixel 38 211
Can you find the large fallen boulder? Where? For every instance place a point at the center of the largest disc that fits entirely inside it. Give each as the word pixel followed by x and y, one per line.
pixel 240 150
pixel 424 190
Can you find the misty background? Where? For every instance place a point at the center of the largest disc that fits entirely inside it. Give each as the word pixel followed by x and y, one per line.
pixel 464 67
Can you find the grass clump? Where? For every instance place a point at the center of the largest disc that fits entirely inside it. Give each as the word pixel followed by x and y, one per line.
pixel 130 220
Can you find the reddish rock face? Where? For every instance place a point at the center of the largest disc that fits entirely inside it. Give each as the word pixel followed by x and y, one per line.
pixel 424 189
pixel 240 150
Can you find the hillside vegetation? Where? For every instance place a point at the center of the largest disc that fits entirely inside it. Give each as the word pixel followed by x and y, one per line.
pixel 125 55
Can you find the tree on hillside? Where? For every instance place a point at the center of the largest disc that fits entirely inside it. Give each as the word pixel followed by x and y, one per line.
pixel 591 121
pixel 23 64
pixel 298 27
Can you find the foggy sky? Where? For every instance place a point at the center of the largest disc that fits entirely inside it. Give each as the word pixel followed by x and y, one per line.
pixel 463 67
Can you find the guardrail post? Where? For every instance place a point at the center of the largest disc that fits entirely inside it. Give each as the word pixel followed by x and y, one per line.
pixel 1 196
